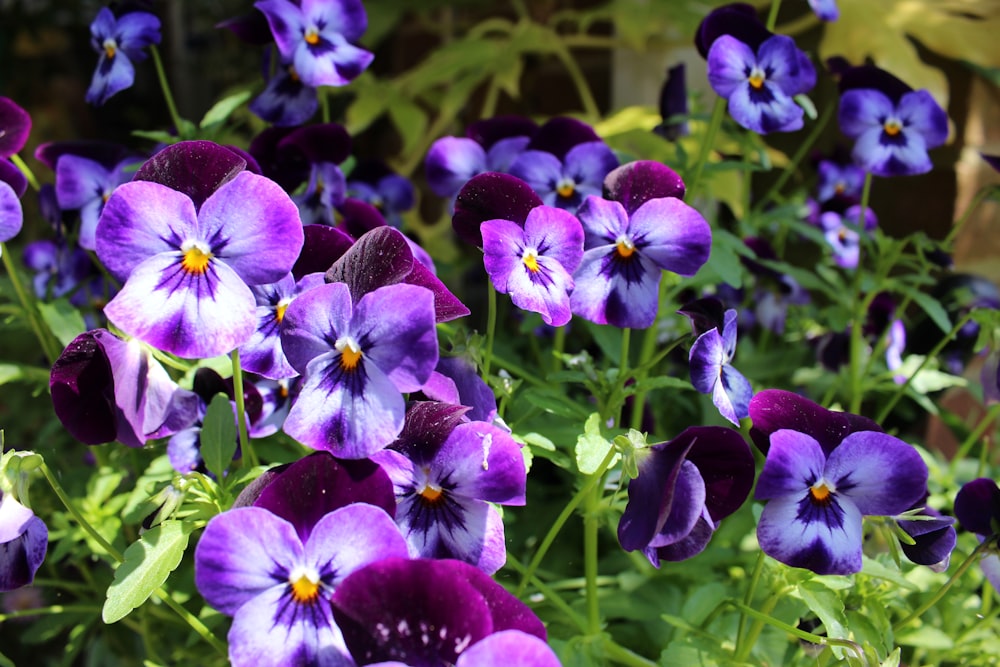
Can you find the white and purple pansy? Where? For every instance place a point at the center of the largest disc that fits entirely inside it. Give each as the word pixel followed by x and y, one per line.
pixel 446 472
pixel 24 539
pixel 187 268
pixel 712 371
pixel 357 359
pixel 119 42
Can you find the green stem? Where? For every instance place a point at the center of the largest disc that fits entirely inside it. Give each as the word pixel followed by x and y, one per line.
pixel 203 631
pixel 591 526
pixel 50 347
pixel 491 325
pixel 246 447
pixel 772 16
pixel 984 424
pixel 758 568
pixel 590 107
pixel 973 205
pixel 551 595
pixel 558 345
pixel 53 610
pixel 860 313
pixel 764 617
pixel 934 599
pixel 324 105
pixel 560 521
pixel 623 366
pixel 26 170
pixel 800 154
pixel 718 113
pixel 623 656
pixel 168 97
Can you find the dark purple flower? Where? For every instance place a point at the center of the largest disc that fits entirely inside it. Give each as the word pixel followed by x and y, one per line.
pixel 186 264
pixel 252 565
pixel 262 353
pixel 357 358
pixel 322 147
pixel 817 498
pixel 456 381
pixel 892 124
pixel 426 612
pixel 684 489
pixel 826 10
pixel 491 196
pixel 534 262
pixel 15 126
pixel 775 409
pixel 934 538
pixel 712 372
pixel 446 472
pixel 843 234
pixel 104 389
pixel 317 37
pixel 24 539
pixel 12 185
pixel 674 105
pixel 977 507
pixel 390 193
pixel 119 42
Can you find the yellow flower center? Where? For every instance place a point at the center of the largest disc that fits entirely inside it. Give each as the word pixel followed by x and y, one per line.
pixel 530 259
pixel 756 78
pixel 196 259
pixel 350 353
pixel 279 310
pixel 312 37
pixel 624 247
pixel 305 589
pixel 566 189
pixel 110 48
pixel 892 127
pixel 821 493
pixel 431 494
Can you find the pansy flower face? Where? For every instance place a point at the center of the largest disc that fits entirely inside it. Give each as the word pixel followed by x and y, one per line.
pixel 24 539
pixel 85 184
pixel 252 565
pixel 564 183
pixel 186 270
pixel 316 37
pixel 842 181
pixel 816 500
pixel 285 101
pixel 119 41
pixel 712 372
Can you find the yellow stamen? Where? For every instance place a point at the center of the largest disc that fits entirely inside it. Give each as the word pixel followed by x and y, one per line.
pixel 110 48
pixel 530 260
pixel 196 260
pixel 892 127
pixel 756 81
pixel 624 247
pixel 312 37
pixel 431 494
pixel 305 590
pixel 820 493
pixel 566 190
pixel 279 310
pixel 350 353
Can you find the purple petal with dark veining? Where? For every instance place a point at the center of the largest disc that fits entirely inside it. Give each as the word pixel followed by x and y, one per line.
pixel 15 126
pixel 737 19
pixel 82 391
pixel 775 409
pixel 195 168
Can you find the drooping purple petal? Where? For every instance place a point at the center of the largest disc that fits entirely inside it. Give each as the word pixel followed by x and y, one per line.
pixel 491 196
pixel 15 126
pixel 672 234
pixel 774 409
pixel 977 506
pixel 451 162
pixel 194 168
pixel 935 540
pixel 11 214
pixel 484 462
pixel 635 183
pixel 881 474
pixel 24 539
pixel 511 648
pixel 321 247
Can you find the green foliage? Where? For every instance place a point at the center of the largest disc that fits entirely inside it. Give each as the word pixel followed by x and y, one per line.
pixel 147 565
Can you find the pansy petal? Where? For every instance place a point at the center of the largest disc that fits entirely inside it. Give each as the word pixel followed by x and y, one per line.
pixel 483 461
pixel 491 196
pixel 23 553
pixel 692 544
pixel 557 234
pixel 451 162
pixel 538 169
pixel 241 554
pixel 687 506
pixel 706 359
pixel 728 61
pixel 589 163
pixel 635 183
pixel 861 110
pixel 194 168
pixel 511 648
pixel 778 56
pixel 977 506
pixel 192 316
pixel 731 394
pixel 775 409
pixel 16 124
pixel 544 291
pixel 826 543
pixel 794 462
pixel 351 537
pixel 11 214
pixel 313 322
pixel 882 475
pixel 672 234
pixel 603 221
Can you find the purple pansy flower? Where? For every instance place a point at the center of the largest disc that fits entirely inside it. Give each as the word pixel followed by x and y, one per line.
pixel 826 10
pixel 839 181
pixel 446 472
pixel 24 539
pixel 491 144
pixel 684 489
pixel 817 498
pixel 262 353
pixel 674 105
pixel 426 612
pixel 977 507
pixel 843 234
pixel 285 101
pixel 15 125
pixel 564 163
pixel 252 565
pixel 893 125
pixel 86 184
pixel 775 409
pixel 186 264
pixel 491 196
pixel 357 358
pixel 628 244
pixel 317 36
pixel 104 388
pixel 456 381
pixel 934 539
pixel 59 268
pixel 712 373
pixel 760 82
pixel 322 147
pixel 534 262
pixel 374 183
pixel 119 41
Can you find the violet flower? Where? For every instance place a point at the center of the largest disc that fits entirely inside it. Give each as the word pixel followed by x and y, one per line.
pixel 674 105
pixel 977 507
pixel 934 539
pixel 392 194
pixel 317 37
pixel 262 353
pixel 534 262
pixel 119 42
pixel 285 101
pixel 843 234
pixel 491 144
pixel 323 147
pixel 24 539
pixel 104 388
pixel 86 184
pixel 428 612
pixel 456 380
pixel 628 243
pixel 893 125
pixel 446 472
pixel 252 565
pixel 59 268
pixel 843 181
pixel 712 372
pixel 15 125
pixel 186 264
pixel 357 358
pixel 684 489
pixel 826 10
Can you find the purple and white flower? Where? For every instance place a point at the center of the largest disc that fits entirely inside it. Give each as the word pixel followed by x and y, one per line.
pixel 119 41
pixel 24 539
pixel 712 371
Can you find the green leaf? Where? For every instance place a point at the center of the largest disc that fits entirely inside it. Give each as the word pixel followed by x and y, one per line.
pixel 591 447
pixel 147 565
pixel 5 661
pixel 826 604
pixel 159 136
pixel 411 121
pixel 926 637
pixel 63 319
pixel 222 109
pixel 15 372
pixel 930 305
pixel 218 435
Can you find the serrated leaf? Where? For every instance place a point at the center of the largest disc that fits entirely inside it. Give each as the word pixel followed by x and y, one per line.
pixel 222 109
pixel 218 435
pixel 63 319
pixel 591 446
pixel 148 563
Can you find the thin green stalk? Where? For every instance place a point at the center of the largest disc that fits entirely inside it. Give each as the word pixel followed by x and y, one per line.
pixel 764 617
pixel 623 367
pixel 590 107
pixel 623 656
pixel 558 345
pixel 560 521
pixel 168 97
pixel 324 105
pixel 973 205
pixel 26 170
pixel 718 113
pixel 203 631
pixel 758 568
pixel 800 154
pixel 550 594
pixel 53 610
pixel 491 325
pixel 860 312
pixel 591 526
pixel 50 346
pixel 984 424
pixel 772 16
pixel 934 599
pixel 246 447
